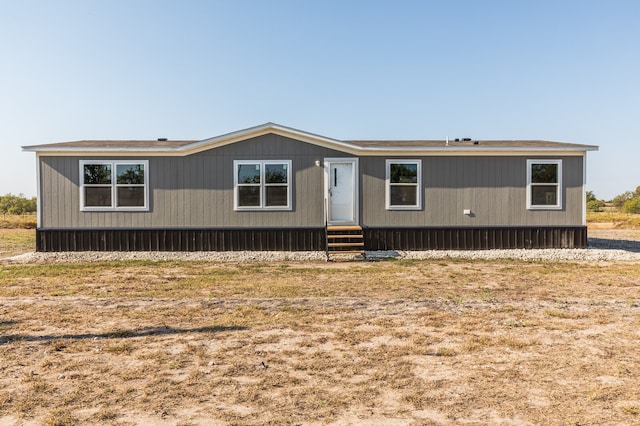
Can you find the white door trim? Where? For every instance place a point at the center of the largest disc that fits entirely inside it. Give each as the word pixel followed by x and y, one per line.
pixel 354 220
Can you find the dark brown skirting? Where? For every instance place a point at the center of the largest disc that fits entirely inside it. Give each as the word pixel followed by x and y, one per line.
pixel 292 239
pixel 475 238
pixel 307 239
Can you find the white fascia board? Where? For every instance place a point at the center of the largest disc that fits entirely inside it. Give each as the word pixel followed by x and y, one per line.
pixel 353 150
pixel 315 139
pixel 206 144
pixel 44 151
pixel 266 129
pixel 489 150
pixel 439 152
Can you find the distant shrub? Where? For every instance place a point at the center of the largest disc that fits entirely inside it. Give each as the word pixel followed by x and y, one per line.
pixel 632 206
pixel 619 200
pixel 595 205
pixel 629 202
pixel 17 204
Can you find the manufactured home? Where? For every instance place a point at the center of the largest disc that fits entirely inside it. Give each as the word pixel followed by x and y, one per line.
pixel 272 187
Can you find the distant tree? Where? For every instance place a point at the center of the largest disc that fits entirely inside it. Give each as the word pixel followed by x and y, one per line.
pixel 272 175
pixel 544 173
pixel 619 200
pixel 97 174
pixel 17 204
pixel 632 206
pixel 628 202
pixel 595 205
pixel 403 173
pixel 132 175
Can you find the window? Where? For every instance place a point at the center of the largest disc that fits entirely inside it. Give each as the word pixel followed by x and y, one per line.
pixel 544 184
pixel 262 185
pixel 403 184
pixel 114 185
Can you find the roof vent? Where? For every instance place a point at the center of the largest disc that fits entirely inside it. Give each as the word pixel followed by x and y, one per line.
pixel 162 139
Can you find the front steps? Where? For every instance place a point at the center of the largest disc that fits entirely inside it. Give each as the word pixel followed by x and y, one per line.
pixel 344 242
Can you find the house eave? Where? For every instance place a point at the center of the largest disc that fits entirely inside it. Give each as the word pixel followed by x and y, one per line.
pixel 199 146
pixel 473 151
pixel 373 152
pixel 334 144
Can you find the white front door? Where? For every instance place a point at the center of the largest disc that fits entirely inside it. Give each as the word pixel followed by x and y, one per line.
pixel 341 190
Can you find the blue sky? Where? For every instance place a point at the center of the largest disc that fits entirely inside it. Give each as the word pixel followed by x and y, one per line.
pixel 136 69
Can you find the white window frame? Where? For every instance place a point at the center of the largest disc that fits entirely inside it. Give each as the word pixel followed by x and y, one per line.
pixel 418 185
pixel 262 185
pixel 114 186
pixel 558 185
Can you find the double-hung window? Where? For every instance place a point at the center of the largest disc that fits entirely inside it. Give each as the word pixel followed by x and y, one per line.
pixel 544 184
pixel 262 185
pixel 403 183
pixel 114 185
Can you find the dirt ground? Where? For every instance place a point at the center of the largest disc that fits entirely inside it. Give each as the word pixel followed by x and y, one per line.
pixel 439 342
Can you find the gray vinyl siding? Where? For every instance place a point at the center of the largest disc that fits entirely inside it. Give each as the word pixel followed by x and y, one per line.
pixel 493 188
pixel 196 191
pixel 193 191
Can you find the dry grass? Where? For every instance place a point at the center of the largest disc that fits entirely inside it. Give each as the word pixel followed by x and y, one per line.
pixel 432 342
pixel 439 342
pixel 614 220
pixel 456 281
pixel 13 221
pixel 16 241
pixel 17 234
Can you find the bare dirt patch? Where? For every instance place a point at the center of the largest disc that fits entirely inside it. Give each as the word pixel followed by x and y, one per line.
pixel 404 342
